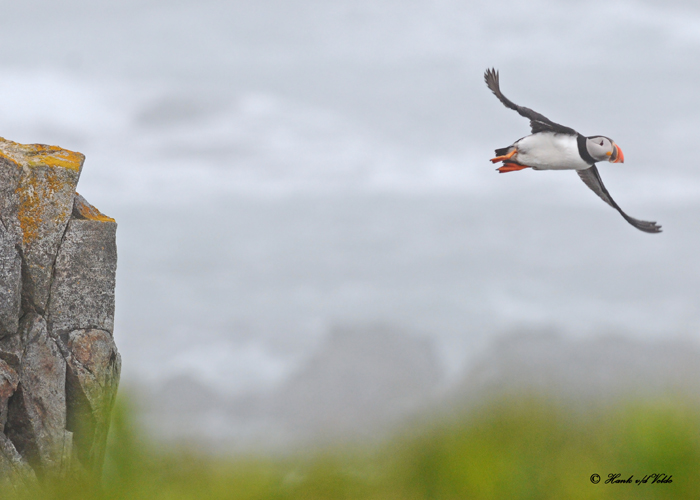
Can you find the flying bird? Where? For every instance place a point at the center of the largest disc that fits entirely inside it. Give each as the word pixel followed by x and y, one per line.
pixel 555 147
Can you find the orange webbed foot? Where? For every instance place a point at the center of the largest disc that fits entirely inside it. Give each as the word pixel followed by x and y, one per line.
pixel 511 167
pixel 504 157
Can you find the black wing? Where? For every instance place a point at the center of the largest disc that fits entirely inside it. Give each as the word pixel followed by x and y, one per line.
pixel 538 122
pixel 592 179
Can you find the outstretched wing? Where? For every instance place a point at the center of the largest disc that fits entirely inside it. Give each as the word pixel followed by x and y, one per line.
pixel 592 179
pixel 538 122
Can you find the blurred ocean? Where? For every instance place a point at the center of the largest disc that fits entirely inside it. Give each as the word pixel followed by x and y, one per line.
pixel 284 171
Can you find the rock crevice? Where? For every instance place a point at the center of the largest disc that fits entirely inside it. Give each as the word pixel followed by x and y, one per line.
pixel 59 365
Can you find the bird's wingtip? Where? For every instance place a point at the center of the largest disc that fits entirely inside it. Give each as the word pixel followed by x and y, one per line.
pixel 648 227
pixel 491 79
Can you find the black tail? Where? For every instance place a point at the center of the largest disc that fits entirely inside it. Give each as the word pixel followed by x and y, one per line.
pixel 503 151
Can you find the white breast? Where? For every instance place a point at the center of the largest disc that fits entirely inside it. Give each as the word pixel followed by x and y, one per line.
pixel 549 151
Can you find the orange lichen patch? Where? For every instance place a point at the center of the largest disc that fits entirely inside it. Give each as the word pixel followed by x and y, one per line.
pixel 56 157
pixel 48 175
pixel 89 212
pixel 35 155
pixel 37 204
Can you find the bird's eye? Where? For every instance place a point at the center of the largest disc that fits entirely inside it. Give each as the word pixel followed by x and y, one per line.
pixel 601 143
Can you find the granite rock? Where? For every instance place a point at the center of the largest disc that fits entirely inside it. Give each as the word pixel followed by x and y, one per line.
pixel 10 282
pixel 11 350
pixel 36 421
pixel 59 365
pixel 8 384
pixel 82 291
pixel 92 380
pixel 15 473
pixel 43 180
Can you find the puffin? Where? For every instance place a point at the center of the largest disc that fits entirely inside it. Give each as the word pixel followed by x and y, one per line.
pixel 552 146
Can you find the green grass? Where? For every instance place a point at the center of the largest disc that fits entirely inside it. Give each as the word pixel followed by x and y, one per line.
pixel 510 449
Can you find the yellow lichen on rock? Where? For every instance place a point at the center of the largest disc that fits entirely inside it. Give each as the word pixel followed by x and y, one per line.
pixel 54 156
pixel 43 181
pixel 48 178
pixel 34 155
pixel 87 211
pixel 35 205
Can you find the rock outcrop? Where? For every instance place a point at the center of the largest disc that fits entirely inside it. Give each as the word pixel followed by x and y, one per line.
pixel 59 366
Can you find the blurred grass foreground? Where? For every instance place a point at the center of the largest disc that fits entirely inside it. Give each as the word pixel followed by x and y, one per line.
pixel 507 449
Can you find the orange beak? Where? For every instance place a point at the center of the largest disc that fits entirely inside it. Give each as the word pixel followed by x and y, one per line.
pixel 617 156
